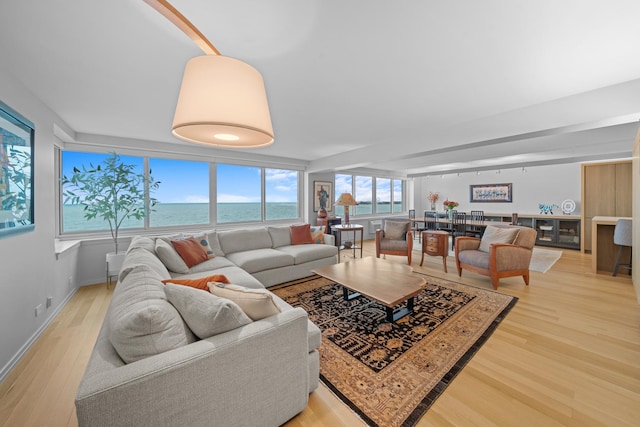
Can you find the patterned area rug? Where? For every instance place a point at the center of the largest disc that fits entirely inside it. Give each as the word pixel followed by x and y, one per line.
pixel 391 373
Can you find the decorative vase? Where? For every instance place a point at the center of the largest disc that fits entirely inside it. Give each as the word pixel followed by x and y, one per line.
pixel 450 214
pixel 433 206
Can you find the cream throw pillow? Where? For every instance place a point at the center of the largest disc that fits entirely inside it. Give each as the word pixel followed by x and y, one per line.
pixel 205 314
pixel 256 303
pixel 497 235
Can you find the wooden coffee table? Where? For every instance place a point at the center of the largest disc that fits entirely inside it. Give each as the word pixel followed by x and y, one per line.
pixel 384 281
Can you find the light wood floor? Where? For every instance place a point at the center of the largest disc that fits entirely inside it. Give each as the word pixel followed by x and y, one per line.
pixel 568 354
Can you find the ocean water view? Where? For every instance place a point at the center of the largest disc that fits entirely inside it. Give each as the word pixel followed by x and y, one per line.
pixel 168 214
pixel 174 214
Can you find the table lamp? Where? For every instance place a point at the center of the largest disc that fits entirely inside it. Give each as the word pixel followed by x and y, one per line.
pixel 346 200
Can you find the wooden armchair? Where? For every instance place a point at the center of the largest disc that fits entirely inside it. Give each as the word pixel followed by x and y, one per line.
pixel 503 251
pixel 395 238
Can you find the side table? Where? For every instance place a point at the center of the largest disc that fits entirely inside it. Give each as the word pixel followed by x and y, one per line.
pixel 435 243
pixel 339 229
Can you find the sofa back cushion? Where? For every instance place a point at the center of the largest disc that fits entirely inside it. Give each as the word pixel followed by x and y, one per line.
pixel 244 240
pixel 143 242
pixel 280 236
pixel 140 256
pixel 142 322
pixel 169 256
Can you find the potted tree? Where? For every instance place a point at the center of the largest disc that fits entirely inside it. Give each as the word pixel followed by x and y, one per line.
pixel 112 191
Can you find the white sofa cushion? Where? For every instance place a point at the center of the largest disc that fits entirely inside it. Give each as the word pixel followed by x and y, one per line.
pixel 280 236
pixel 170 257
pixel 206 314
pixel 256 303
pixel 139 256
pixel 260 259
pixel 309 252
pixel 244 240
pixel 142 322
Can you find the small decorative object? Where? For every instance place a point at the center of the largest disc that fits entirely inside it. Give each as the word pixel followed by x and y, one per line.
pixel 486 193
pixel 547 209
pixel 433 198
pixel 514 219
pixel 347 244
pixel 346 200
pixel 450 205
pixel 568 206
pixel 323 191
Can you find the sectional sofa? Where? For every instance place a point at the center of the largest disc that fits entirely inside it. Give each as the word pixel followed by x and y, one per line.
pixel 149 368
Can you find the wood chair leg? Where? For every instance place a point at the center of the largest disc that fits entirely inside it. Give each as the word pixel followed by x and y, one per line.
pixel 409 256
pixel 526 278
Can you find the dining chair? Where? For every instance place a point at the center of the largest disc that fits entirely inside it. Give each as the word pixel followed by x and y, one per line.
pixel 416 226
pixel 475 230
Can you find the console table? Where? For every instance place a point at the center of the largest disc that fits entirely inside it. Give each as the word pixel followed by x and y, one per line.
pixel 603 250
pixel 339 229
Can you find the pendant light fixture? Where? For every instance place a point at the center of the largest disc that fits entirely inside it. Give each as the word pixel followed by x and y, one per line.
pixel 222 100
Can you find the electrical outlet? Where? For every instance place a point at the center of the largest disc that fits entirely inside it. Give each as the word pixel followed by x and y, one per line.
pixel 49 301
pixel 38 310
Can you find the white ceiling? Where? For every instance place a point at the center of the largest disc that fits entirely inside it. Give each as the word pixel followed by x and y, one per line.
pixel 412 86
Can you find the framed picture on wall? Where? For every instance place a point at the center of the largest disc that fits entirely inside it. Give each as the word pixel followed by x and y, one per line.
pixel 322 195
pixel 16 172
pixel 487 193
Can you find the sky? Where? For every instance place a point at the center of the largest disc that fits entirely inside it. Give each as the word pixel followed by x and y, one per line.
pixel 183 181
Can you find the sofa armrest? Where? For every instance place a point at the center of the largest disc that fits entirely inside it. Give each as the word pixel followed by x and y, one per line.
pixel 329 239
pixel 212 380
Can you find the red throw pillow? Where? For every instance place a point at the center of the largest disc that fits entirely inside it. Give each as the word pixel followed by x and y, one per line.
pixel 199 283
pixel 300 234
pixel 191 251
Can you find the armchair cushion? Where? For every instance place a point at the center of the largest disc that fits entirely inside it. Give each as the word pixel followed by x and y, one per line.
pixel 497 235
pixel 396 230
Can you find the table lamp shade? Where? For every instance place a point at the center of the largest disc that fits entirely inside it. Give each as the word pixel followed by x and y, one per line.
pixel 346 200
pixel 223 102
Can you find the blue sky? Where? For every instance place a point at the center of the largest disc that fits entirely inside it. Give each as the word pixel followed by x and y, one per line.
pixel 188 181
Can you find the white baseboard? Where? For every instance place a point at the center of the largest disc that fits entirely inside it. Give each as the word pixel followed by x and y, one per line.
pixel 6 369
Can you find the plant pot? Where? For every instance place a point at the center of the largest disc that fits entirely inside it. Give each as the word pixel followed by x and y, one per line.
pixel 114 263
pixel 450 214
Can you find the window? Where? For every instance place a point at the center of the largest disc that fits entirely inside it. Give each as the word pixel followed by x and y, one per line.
pixel 364 195
pixel 343 184
pixel 398 205
pixel 388 194
pixel 383 195
pixel 281 194
pixel 183 194
pixel 73 214
pixel 186 191
pixel 239 193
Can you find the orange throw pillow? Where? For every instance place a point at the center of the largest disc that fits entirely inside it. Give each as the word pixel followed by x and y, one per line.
pixel 191 251
pixel 199 283
pixel 300 234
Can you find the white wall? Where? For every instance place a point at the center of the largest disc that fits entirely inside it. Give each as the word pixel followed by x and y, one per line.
pixel 541 184
pixel 30 270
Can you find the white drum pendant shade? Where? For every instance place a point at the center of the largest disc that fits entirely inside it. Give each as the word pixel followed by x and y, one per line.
pixel 222 102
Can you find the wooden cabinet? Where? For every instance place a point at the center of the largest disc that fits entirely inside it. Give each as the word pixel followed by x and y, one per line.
pixel 558 232
pixel 606 191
